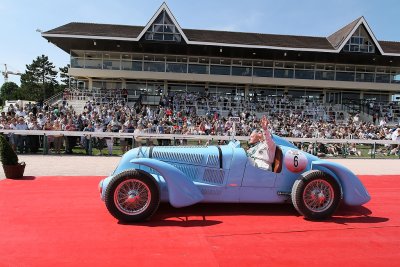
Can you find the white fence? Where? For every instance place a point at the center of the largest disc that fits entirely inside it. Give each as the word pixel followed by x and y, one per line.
pixel 155 136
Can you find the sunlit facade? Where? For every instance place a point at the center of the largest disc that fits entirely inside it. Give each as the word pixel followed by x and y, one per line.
pixel 163 58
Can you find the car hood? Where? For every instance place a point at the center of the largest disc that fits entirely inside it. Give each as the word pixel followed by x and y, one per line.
pixel 207 156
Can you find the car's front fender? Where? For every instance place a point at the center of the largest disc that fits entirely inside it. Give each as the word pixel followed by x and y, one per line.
pixel 354 192
pixel 181 190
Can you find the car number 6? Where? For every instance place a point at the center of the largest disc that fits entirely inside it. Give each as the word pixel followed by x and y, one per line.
pixel 296 161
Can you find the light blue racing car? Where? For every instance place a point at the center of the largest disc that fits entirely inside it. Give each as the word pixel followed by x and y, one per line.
pixel 188 175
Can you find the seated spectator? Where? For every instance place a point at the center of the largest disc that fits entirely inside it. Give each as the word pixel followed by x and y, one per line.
pixel 354 151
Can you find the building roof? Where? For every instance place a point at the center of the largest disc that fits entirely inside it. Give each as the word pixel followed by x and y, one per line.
pixel 337 38
pixel 210 36
pixel 259 39
pixel 92 29
pixel 331 44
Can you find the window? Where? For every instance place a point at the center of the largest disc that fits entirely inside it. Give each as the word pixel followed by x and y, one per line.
pixel 163 29
pixel 220 70
pixel 360 42
pixel 198 69
pixel 241 71
pixel 283 73
pixel 263 72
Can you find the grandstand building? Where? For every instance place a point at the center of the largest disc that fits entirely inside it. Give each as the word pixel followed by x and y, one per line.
pixel 162 58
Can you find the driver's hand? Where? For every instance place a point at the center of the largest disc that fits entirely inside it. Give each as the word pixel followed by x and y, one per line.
pixel 264 122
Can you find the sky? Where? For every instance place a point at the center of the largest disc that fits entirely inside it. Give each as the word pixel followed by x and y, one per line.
pixel 21 43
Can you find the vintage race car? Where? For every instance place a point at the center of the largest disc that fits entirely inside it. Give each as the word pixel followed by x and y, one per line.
pixel 188 175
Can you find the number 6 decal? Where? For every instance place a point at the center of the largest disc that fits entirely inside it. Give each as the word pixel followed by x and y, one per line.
pixel 295 161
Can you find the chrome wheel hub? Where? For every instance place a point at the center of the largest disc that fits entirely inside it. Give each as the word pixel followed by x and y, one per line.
pixel 318 195
pixel 132 197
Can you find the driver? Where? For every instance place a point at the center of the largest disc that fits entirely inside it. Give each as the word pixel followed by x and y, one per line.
pixel 263 148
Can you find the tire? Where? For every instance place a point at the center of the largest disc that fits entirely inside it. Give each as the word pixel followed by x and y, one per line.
pixel 317 195
pixel 132 196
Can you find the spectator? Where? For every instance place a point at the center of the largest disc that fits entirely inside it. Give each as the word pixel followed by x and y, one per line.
pixel 70 141
pixel 109 140
pixel 21 140
pixel 122 141
pixel 88 140
pixel 58 138
pixel 100 142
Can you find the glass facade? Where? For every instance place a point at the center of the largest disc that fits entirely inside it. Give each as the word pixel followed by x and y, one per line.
pixel 235 67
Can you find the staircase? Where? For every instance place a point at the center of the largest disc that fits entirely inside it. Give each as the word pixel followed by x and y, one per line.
pixel 78 105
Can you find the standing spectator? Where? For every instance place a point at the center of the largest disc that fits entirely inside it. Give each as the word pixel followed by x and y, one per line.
pixel 98 128
pixel 109 140
pixel 70 141
pixel 88 139
pixel 138 130
pixel 22 139
pixel 58 139
pixel 123 142
pixel 34 140
pixel 48 126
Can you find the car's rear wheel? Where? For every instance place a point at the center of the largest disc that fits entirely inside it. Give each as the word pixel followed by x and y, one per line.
pixel 316 196
pixel 132 196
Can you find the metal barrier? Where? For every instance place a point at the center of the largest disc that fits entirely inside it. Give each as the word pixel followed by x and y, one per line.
pixel 154 136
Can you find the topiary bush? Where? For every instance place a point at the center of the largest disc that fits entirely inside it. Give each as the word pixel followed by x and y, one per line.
pixel 7 154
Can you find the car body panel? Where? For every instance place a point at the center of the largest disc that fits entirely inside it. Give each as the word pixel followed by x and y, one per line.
pixel 354 192
pixel 181 191
pixel 188 175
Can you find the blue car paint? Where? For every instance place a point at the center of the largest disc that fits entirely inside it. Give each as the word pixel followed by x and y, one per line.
pixel 187 175
pixel 182 191
pixel 285 179
pixel 354 192
pixel 283 142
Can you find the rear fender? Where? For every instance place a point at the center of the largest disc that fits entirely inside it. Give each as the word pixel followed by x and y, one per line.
pixel 354 192
pixel 182 191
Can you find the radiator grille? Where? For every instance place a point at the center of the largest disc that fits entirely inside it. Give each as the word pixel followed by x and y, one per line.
pixel 177 156
pixel 190 171
pixel 213 160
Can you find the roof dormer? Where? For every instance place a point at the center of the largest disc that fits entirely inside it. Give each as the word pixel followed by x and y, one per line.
pixel 356 37
pixel 163 27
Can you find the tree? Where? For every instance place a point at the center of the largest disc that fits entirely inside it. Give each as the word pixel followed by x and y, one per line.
pixel 68 81
pixel 8 91
pixel 39 80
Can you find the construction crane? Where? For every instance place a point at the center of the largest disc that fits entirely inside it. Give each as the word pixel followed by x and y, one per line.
pixel 5 73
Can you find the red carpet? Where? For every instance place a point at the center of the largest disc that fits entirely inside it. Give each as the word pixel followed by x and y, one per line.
pixel 60 221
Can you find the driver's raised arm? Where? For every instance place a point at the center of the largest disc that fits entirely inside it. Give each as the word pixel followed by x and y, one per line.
pixel 267 135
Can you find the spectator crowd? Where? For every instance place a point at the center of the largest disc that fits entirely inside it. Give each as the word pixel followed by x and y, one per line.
pixel 169 118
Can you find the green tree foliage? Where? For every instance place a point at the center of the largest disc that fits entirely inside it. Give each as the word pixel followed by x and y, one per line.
pixel 39 80
pixel 9 91
pixel 66 80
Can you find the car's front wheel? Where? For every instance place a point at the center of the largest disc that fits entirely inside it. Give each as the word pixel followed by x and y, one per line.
pixel 132 196
pixel 316 195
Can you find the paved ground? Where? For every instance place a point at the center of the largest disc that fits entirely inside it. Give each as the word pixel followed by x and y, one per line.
pixel 52 165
